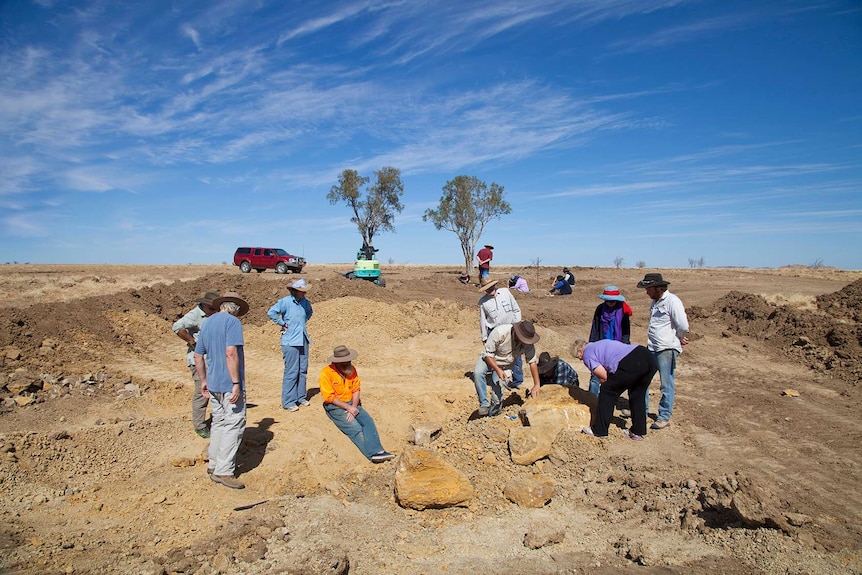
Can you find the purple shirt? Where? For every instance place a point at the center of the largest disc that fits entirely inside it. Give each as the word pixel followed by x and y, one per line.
pixel 606 352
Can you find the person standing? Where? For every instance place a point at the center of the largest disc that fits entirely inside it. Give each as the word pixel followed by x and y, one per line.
pixel 504 344
pixel 485 255
pixel 496 307
pixel 187 328
pixel 292 313
pixel 340 388
pixel 223 381
pixel 610 321
pixel 667 332
pixel 619 367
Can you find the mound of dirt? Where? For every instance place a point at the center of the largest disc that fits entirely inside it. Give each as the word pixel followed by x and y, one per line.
pixel 827 340
pixel 100 471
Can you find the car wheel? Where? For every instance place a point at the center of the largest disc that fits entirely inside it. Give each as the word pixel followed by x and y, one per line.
pixel 245 267
pixel 281 268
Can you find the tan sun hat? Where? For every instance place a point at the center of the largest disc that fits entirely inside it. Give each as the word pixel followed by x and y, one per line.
pixel 488 285
pixel 232 297
pixel 342 354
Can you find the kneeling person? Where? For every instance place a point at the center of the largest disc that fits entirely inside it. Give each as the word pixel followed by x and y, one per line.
pixel 555 371
pixel 340 387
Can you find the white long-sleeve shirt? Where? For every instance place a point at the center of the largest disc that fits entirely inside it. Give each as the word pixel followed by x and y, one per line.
pixel 667 323
pixel 498 309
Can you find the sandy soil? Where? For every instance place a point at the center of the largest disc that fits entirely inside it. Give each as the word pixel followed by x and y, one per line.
pixel 100 471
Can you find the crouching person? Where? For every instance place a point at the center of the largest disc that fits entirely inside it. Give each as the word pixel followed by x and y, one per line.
pixel 505 343
pixel 340 388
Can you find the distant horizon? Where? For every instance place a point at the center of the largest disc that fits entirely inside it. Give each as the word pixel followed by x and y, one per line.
pixel 459 266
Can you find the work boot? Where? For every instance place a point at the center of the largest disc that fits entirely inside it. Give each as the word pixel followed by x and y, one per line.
pixel 228 481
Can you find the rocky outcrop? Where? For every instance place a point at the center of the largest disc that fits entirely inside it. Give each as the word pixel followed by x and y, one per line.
pixel 424 480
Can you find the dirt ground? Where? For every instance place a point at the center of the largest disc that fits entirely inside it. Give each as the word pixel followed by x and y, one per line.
pixel 100 471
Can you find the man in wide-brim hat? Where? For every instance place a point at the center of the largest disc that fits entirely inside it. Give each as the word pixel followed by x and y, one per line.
pixel 187 329
pixel 291 314
pixel 667 332
pixel 553 370
pixel 497 307
pixel 494 365
pixel 340 388
pixel 484 257
pixel 223 380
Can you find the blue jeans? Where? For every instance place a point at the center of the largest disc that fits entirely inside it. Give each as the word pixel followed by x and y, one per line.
pixel 595 384
pixel 361 430
pixel 483 274
pixel 482 377
pixel 295 373
pixel 666 360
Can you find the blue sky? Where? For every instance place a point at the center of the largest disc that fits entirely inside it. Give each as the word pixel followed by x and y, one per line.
pixel 654 131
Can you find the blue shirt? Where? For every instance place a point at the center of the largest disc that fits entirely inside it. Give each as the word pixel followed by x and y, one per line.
pixel 219 332
pixel 292 314
pixel 563 287
pixel 606 352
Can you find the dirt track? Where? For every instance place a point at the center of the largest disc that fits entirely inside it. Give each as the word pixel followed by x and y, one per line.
pixel 96 479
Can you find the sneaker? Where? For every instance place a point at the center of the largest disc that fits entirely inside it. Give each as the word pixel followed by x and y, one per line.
pixel 659 424
pixel 382 456
pixel 589 431
pixel 303 402
pixel 228 481
pixel 482 411
pixel 292 407
pixel 633 436
pixel 625 413
pixel 203 433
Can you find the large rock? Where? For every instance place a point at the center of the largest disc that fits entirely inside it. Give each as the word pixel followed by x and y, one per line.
pixel 558 408
pixel 423 434
pixel 424 480
pixel 534 491
pixel 530 444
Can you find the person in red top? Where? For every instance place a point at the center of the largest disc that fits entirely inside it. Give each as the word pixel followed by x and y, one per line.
pixel 485 256
pixel 340 388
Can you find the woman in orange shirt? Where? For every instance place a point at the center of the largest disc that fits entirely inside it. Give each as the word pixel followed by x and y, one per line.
pixel 340 386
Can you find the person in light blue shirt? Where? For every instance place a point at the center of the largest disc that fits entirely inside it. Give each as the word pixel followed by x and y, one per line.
pixel 292 313
pixel 220 363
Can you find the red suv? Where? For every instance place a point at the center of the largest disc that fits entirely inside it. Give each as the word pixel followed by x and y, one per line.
pixel 267 259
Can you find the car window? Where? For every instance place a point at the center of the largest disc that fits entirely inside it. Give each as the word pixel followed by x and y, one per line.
pixel 257 251
pixel 281 252
pixel 267 252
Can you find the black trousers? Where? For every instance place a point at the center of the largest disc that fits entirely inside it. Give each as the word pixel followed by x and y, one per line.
pixel 634 374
